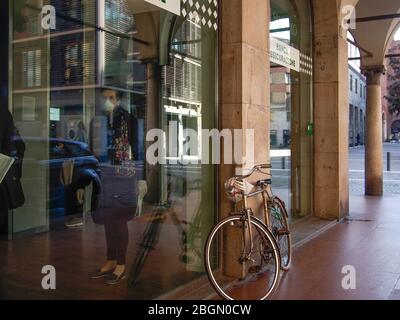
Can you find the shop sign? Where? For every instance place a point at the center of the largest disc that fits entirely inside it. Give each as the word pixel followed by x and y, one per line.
pixel 173 6
pixel 283 54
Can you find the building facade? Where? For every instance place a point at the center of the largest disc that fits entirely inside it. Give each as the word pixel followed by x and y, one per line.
pixel 390 121
pixel 357 100
pixel 175 69
pixel 161 69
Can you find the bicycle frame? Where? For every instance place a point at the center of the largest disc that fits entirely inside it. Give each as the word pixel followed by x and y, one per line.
pixel 266 193
pixel 256 253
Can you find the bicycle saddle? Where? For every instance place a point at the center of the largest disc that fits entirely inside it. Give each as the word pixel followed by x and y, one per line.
pixel 264 182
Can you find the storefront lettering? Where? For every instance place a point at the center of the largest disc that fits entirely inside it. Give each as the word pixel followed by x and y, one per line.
pixel 49 17
pixel 285 55
pixel 282 48
pixel 283 59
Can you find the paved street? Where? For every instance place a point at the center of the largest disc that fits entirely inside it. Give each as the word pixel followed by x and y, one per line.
pixel 391 178
pixel 356 176
pixel 357 157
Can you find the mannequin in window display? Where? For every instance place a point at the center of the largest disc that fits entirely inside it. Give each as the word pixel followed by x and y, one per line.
pixel 118 198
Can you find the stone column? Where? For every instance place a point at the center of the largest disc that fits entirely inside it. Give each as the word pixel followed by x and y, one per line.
pixel 245 96
pixel 331 110
pixel 373 134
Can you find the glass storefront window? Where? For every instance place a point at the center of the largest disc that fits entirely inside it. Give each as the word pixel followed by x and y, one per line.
pixel 291 107
pixel 84 96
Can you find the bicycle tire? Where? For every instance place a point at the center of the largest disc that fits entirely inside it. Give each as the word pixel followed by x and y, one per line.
pixel 279 221
pixel 273 252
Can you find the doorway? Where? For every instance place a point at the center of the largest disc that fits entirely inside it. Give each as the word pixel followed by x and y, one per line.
pixel 291 105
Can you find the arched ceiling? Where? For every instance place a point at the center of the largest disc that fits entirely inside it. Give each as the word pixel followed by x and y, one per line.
pixel 375 36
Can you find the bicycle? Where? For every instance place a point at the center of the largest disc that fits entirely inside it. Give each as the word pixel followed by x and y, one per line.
pixel 261 249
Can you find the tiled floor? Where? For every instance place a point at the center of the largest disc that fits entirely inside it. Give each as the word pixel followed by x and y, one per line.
pixel 369 241
pixel 76 253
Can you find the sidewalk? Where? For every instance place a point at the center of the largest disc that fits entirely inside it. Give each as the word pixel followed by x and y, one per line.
pixel 369 241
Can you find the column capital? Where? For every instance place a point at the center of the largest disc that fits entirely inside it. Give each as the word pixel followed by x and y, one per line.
pixel 373 73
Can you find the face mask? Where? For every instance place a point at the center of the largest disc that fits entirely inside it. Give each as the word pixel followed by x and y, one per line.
pixel 108 106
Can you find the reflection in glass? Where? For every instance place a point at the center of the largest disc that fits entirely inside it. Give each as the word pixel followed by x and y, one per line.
pixel 291 108
pixel 84 97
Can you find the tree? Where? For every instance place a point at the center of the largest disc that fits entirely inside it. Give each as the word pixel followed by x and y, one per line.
pixel 393 96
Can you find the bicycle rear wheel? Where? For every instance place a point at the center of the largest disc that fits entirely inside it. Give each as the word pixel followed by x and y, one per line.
pixel 281 231
pixel 232 276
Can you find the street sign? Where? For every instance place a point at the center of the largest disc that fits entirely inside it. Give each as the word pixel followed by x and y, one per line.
pixel 173 6
pixel 283 54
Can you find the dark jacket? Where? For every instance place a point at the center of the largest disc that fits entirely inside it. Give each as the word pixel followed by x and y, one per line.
pixel 6 131
pixel 12 145
pixel 118 199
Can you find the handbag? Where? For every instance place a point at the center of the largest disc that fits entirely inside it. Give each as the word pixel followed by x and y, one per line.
pixel 13 186
pixel 67 172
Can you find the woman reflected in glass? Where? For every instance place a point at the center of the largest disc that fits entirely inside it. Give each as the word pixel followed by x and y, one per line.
pixel 118 199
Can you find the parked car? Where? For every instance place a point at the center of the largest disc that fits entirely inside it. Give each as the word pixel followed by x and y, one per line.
pixel 86 168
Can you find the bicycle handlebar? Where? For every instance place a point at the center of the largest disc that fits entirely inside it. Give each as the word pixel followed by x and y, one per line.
pixel 256 169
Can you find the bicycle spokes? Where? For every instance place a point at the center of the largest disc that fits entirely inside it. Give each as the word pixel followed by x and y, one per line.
pixel 241 264
pixel 281 232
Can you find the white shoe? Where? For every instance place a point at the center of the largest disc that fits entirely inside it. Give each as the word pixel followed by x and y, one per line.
pixel 74 223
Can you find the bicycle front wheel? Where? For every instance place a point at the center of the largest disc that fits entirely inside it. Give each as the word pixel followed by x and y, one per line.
pixel 236 270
